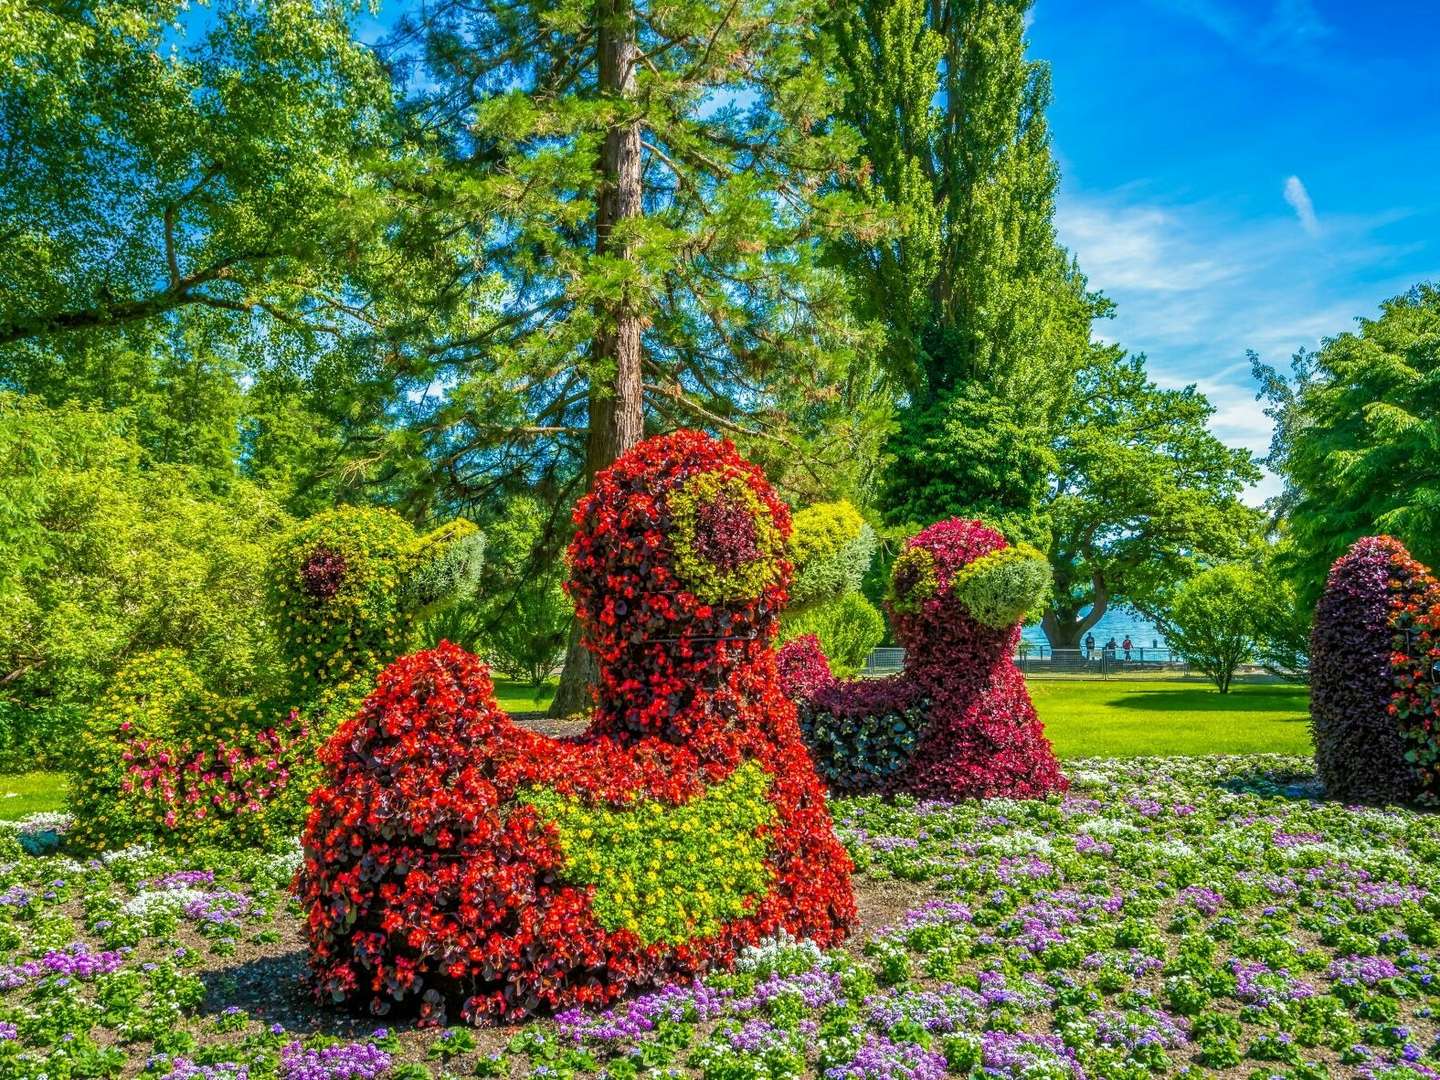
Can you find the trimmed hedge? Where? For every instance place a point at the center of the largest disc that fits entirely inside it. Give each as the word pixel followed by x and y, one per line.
pixel 958 722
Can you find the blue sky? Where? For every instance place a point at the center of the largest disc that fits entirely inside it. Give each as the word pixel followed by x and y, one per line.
pixel 1244 174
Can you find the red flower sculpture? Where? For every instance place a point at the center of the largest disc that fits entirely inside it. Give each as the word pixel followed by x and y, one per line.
pixel 454 857
pixel 958 722
pixel 1374 669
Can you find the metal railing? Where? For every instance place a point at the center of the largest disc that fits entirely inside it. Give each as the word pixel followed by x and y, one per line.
pixel 1038 659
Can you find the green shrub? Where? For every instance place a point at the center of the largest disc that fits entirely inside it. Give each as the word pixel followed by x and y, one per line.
pixel 831 547
pixel 102 560
pixel 519 625
pixel 170 759
pixel 848 627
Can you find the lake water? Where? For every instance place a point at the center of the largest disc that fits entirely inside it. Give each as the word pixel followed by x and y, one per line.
pixel 1116 623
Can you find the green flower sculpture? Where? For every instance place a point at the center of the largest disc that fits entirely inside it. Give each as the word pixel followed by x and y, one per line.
pixel 168 761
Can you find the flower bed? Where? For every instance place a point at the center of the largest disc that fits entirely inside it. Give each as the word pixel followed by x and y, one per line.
pixel 1167 917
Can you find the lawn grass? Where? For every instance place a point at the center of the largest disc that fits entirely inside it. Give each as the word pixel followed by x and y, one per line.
pixel 1115 718
pixel 1123 717
pixel 29 793
pixel 1132 718
pixel 520 697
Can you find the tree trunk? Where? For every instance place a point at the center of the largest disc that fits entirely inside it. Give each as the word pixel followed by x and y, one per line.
pixel 616 388
pixel 1064 629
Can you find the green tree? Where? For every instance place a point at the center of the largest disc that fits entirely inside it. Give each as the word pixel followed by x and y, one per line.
pixel 1211 621
pixel 1142 492
pixel 987 318
pixel 1357 439
pixel 520 620
pixel 1282 619
pixel 647 183
pixel 187 208
pixel 101 560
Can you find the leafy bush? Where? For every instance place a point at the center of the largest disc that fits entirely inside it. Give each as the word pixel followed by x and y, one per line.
pixel 349 588
pixel 847 627
pixel 102 560
pixel 1212 621
pixel 169 759
pixel 831 547
pixel 521 620
pixel 1355 649
pixel 455 858
pixel 978 736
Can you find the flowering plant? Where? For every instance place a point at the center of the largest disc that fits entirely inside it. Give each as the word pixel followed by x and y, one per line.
pixel 958 722
pixel 1372 702
pixel 453 857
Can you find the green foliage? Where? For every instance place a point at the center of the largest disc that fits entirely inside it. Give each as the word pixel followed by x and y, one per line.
pixel 349 588
pixel 740 314
pixel 126 794
pixel 848 626
pixel 1358 440
pixel 226 175
pixel 986 317
pixel 669 874
pixel 179 762
pixel 968 277
pixel 1211 621
pixel 914 578
pixel 519 622
pixel 209 231
pixel 1282 618
pixel 102 560
pixel 831 547
pixel 1142 493
pixel 1002 588
pixel 972 454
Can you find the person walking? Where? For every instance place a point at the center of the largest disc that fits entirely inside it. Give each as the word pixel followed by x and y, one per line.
pixel 1127 645
pixel 1089 646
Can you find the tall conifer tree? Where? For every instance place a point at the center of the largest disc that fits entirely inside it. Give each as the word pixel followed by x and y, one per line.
pixel 646 184
pixel 988 318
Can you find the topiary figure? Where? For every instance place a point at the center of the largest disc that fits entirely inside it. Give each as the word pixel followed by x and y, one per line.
pixel 349 588
pixel 958 721
pixel 169 761
pixel 455 858
pixel 1373 650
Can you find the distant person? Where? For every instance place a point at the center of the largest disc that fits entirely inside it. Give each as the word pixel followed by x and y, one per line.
pixel 1089 646
pixel 1127 645
pixel 1110 647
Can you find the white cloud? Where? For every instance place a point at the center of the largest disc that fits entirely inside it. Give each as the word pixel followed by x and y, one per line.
pixel 1299 200
pixel 1283 34
pixel 1195 286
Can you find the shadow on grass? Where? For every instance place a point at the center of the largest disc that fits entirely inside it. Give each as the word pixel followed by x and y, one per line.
pixel 1210 701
